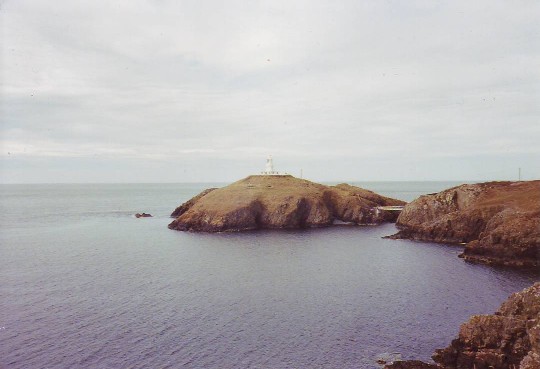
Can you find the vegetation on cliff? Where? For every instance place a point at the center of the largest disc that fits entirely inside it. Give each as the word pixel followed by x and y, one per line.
pixel 498 221
pixel 280 201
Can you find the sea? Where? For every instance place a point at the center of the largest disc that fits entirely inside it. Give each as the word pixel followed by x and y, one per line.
pixel 85 284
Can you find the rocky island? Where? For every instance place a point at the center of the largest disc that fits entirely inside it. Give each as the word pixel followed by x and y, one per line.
pixel 498 222
pixel 508 339
pixel 280 201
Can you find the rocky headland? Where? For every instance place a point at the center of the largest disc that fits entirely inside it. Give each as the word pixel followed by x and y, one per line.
pixel 508 339
pixel 280 201
pixel 498 222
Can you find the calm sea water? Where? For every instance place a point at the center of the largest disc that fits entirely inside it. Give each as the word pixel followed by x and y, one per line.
pixel 86 285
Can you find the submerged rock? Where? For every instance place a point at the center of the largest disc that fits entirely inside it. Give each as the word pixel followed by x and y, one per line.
pixel 499 222
pixel 410 364
pixel 280 201
pixel 143 215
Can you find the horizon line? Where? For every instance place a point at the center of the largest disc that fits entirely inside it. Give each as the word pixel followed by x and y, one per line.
pixel 323 181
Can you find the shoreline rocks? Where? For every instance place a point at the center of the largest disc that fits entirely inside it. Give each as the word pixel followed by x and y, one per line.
pixel 498 222
pixel 280 202
pixel 501 340
pixel 507 339
pixel 410 364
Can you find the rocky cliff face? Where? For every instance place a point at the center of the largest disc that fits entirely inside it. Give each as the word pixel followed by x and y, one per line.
pixel 280 202
pixel 508 339
pixel 498 221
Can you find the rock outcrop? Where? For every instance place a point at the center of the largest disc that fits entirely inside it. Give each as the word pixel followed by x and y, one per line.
pixel 499 222
pixel 280 201
pixel 508 339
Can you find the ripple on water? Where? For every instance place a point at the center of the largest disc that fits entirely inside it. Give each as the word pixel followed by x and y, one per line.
pixel 105 290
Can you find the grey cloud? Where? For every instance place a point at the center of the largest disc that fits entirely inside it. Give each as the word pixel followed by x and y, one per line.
pixel 360 86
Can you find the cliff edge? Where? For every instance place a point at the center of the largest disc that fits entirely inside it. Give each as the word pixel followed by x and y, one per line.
pixel 499 222
pixel 280 201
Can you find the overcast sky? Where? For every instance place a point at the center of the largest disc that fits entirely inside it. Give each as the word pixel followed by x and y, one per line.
pixel 187 91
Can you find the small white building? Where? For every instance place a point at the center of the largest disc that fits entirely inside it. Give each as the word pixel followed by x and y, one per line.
pixel 269 169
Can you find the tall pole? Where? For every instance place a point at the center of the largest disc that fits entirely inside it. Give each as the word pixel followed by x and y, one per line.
pixel 519 174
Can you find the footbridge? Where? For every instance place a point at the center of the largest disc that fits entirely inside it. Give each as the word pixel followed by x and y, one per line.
pixel 390 212
pixel 390 208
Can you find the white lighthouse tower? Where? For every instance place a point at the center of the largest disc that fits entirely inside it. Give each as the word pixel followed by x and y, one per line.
pixel 269 169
